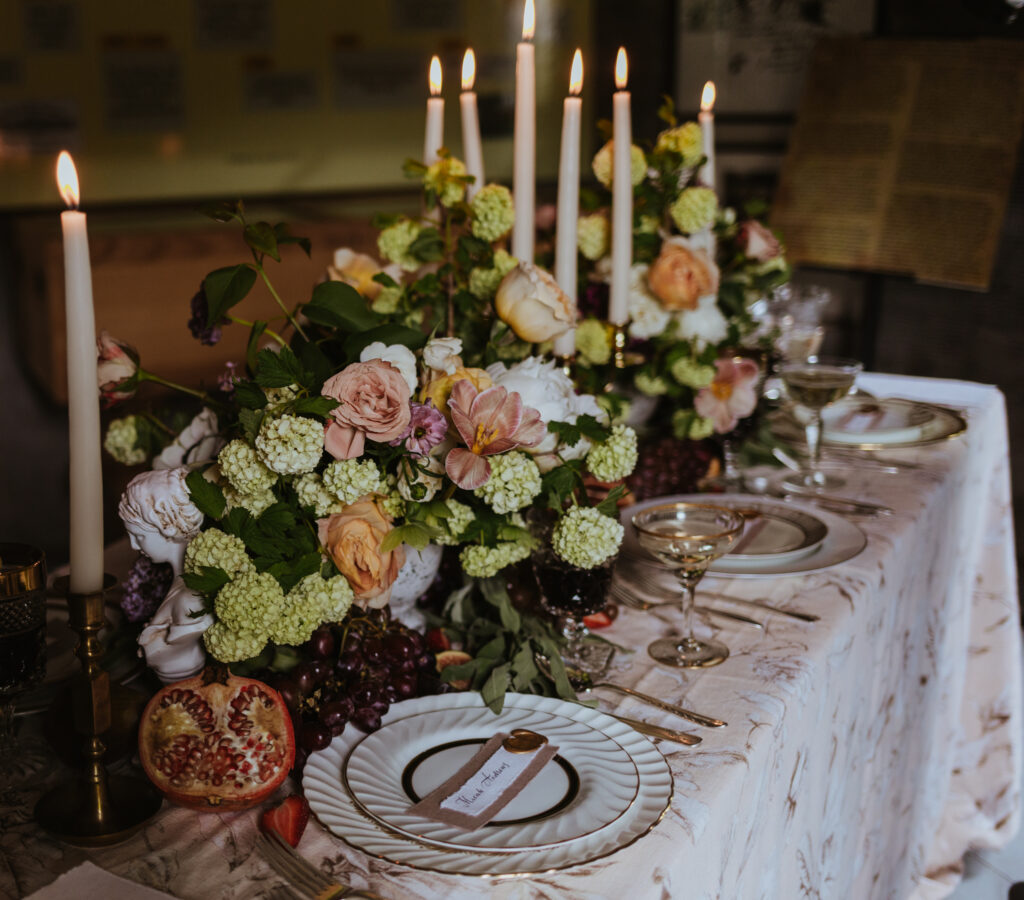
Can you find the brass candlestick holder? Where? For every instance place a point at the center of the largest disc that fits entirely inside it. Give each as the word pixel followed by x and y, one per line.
pixel 566 363
pixel 95 809
pixel 620 358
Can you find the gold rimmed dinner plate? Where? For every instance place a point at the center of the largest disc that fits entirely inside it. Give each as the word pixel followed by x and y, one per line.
pixel 601 818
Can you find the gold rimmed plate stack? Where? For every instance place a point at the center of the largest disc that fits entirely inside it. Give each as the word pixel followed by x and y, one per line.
pixel 607 787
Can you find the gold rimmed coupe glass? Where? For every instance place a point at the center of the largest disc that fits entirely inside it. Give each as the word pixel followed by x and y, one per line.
pixel 687 537
pixel 814 384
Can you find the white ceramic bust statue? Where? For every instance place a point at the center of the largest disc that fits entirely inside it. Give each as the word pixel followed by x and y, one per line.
pixel 161 519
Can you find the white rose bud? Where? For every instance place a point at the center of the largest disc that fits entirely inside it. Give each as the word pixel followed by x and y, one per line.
pixel 532 304
pixel 417 485
pixel 398 355
pixel 443 354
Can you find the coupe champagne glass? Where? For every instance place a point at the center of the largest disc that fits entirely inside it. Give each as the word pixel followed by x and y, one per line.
pixel 814 384
pixel 687 537
pixel 22 631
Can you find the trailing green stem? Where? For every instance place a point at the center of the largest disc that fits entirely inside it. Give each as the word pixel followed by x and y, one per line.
pixel 267 331
pixel 273 293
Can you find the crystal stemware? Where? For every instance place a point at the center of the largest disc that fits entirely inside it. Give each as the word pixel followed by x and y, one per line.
pixel 814 384
pixel 570 593
pixel 687 537
pixel 22 631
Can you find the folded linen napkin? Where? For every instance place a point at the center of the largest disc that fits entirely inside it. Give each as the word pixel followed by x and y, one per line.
pixel 90 882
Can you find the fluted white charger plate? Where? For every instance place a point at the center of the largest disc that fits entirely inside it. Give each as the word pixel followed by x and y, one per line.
pixel 560 839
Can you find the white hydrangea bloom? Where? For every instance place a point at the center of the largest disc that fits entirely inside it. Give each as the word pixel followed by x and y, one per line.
pixel 350 479
pixel 514 482
pixel 290 445
pixel 585 537
pixel 242 467
pixel 312 493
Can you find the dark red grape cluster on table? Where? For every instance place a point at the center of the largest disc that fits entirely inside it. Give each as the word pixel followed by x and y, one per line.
pixel 667 465
pixel 355 671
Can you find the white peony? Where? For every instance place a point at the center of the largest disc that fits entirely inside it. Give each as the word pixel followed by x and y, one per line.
pixel 647 316
pixel 705 324
pixel 443 354
pixel 398 355
pixel 197 443
pixel 546 388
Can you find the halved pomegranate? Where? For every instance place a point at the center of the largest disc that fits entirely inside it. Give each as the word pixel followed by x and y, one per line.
pixel 216 741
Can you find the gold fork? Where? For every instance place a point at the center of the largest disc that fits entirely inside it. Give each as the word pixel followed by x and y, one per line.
pixel 304 879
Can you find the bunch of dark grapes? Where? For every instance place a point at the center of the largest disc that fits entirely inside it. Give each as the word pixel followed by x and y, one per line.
pixel 356 670
pixel 669 466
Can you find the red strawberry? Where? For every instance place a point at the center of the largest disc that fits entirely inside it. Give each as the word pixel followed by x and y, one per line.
pixel 288 820
pixel 597 620
pixel 437 640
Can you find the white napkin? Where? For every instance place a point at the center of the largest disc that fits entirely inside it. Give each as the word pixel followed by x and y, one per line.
pixel 90 882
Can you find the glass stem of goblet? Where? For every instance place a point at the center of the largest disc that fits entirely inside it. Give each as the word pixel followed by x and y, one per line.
pixel 813 430
pixel 686 605
pixel 574 631
pixel 730 462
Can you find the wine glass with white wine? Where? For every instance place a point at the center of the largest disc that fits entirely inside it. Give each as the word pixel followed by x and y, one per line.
pixel 687 537
pixel 814 384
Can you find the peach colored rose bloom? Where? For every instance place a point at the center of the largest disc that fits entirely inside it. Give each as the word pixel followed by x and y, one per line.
pixel 532 304
pixel 440 389
pixel 352 538
pixel 358 269
pixel 680 276
pixel 374 403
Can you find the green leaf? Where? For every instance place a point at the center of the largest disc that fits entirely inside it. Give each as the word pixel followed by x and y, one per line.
pixel 493 691
pixel 278 517
pixel 207 497
pixel 278 369
pixel 428 246
pixel 380 221
pixel 237 521
pixel 339 305
pixel 263 239
pixel 315 361
pixel 413 534
pixel 524 667
pixel 250 421
pixel 223 212
pixel 313 406
pixel 592 429
pixel 289 573
pixel 667 111
pixel 493 649
pixel 253 347
pixel 249 395
pixel 413 168
pixel 610 505
pixel 284 236
pixel 208 580
pixel 226 287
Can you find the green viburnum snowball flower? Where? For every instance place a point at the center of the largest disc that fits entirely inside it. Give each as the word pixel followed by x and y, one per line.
pixel 592 235
pixel 386 302
pixel 493 212
pixel 687 425
pixel 120 442
pixel 593 343
pixel 257 504
pixel 227 645
pixel 684 140
pixel 313 494
pixel 279 395
pixel 459 519
pixel 647 225
pixel 514 482
pixel 603 164
pixel 483 283
pixel 214 547
pixel 393 504
pixel 616 457
pixel 243 468
pixel 483 562
pixel 290 445
pixel 394 241
pixel 443 179
pixel 650 385
pixel 312 601
pixel 253 601
pixel 694 209
pixel 585 538
pixel 692 374
pixel 350 479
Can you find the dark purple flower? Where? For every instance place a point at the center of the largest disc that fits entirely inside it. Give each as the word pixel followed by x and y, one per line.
pixel 427 428
pixel 206 334
pixel 228 378
pixel 144 588
pixel 594 301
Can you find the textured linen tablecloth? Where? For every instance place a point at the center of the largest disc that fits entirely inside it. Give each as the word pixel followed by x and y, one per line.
pixel 865 753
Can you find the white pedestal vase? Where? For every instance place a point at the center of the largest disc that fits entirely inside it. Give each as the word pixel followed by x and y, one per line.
pixel 413 580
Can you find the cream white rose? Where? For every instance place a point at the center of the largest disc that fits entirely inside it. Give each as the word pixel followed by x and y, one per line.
pixel 532 304
pixel 443 354
pixel 705 324
pixel 398 355
pixel 647 317
pixel 417 485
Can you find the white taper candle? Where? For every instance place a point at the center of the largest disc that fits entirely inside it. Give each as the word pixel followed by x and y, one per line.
pixel 524 142
pixel 622 195
pixel 569 199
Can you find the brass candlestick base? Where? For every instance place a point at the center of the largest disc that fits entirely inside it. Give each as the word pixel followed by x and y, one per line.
pixel 94 810
pixel 565 363
pixel 620 358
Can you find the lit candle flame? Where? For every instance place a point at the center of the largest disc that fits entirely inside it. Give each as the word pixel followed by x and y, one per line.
pixel 67 179
pixel 435 76
pixel 621 69
pixel 529 20
pixel 468 70
pixel 576 73
pixel 707 97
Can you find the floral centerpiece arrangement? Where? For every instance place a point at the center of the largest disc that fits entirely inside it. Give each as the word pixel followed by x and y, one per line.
pixel 404 408
pixel 697 271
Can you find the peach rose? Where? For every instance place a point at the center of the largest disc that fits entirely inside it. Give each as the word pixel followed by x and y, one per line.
pixel 352 538
pixel 532 304
pixel 440 389
pixel 680 276
pixel 358 269
pixel 374 403
pixel 758 242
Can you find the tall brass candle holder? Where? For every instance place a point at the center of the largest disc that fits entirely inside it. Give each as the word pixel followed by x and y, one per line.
pixel 620 358
pixel 565 363
pixel 95 809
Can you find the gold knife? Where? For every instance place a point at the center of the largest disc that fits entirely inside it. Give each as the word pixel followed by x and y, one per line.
pixel 657 731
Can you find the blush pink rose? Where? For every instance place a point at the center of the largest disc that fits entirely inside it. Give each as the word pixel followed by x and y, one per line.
pixel 117 369
pixel 373 402
pixel 757 241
